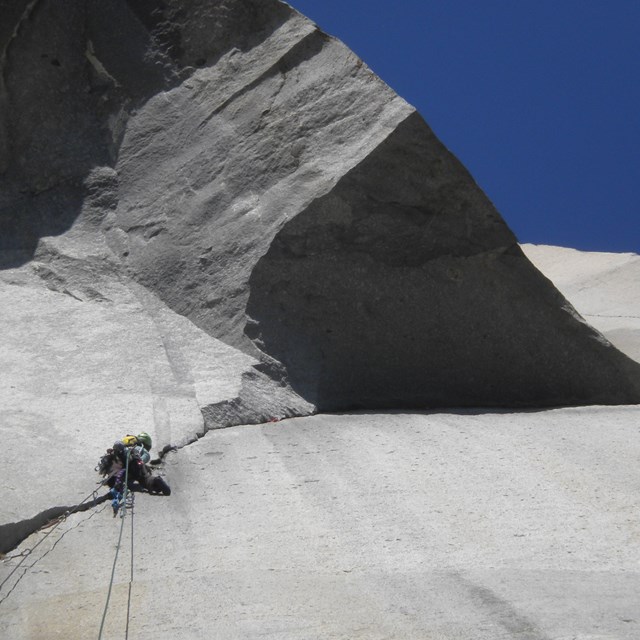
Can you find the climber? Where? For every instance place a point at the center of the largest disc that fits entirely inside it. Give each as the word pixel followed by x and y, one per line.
pixel 113 464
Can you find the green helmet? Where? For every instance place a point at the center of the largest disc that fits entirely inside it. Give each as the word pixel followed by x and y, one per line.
pixel 145 440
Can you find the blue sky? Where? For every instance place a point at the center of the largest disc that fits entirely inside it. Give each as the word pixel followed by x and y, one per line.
pixel 540 99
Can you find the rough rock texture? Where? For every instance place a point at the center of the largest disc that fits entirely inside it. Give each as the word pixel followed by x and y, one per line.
pixel 85 362
pixel 397 526
pixel 211 214
pixel 256 177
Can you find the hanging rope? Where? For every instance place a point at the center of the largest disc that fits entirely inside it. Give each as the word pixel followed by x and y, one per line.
pixel 58 521
pixel 127 502
pixel 126 634
pixel 115 559
pixel 28 553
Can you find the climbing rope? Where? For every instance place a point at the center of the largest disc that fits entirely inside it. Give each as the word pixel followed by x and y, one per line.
pixel 126 503
pixel 126 634
pixel 27 552
pixel 115 559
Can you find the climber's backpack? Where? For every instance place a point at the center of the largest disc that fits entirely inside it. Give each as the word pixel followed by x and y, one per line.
pixel 106 463
pixel 117 454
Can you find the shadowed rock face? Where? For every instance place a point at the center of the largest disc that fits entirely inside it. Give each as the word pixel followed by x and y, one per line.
pixel 403 287
pixel 254 175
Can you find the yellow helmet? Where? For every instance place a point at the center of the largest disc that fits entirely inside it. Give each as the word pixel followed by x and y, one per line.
pixel 130 441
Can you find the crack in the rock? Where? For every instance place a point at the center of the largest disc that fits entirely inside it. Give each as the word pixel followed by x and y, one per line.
pixel 235 412
pixel 27 552
pixel 240 413
pixel 13 533
pixel 607 315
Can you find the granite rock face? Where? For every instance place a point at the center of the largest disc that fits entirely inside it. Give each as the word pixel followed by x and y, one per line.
pixel 603 287
pixel 212 214
pixel 250 173
pixel 403 287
